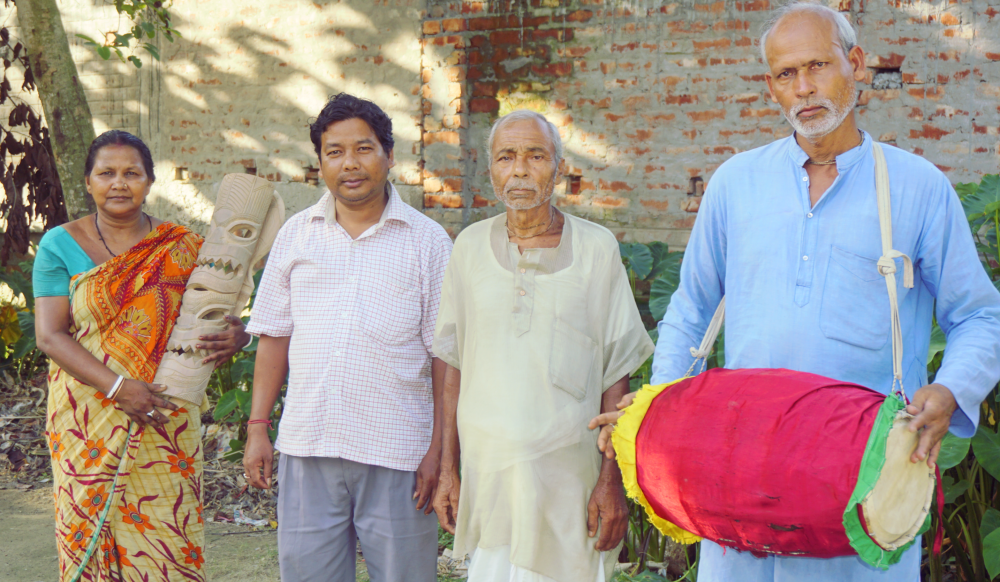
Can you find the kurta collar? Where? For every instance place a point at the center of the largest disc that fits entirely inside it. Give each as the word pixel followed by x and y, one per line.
pixel 844 161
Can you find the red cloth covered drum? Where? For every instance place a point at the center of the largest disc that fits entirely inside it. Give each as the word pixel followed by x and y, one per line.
pixel 773 462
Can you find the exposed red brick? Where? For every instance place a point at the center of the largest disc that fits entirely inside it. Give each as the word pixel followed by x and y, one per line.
pixel 993 56
pixel 484 105
pixel 655 204
pixel 448 137
pixel 608 202
pixel 579 16
pixel 719 43
pixel 480 202
pixel 670 99
pixel 432 27
pixel 442 200
pixel 932 93
pixel 507 37
pixel 928 132
pixel 893 61
pixel 949 19
pixel 560 69
pixel 453 25
pixel 615 186
pixel 706 115
pixel 748 112
pixel 452 184
pixel 691 203
pixel 753 6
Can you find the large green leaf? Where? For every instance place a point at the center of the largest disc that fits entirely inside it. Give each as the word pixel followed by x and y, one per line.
pixel 660 253
pixel 986 446
pixel 953 450
pixel 244 400
pixel 638 258
pixel 985 199
pixel 225 406
pixel 952 490
pixel 20 285
pixel 938 341
pixel 989 531
pixel 660 293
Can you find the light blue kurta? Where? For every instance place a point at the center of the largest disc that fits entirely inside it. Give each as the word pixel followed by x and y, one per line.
pixel 803 293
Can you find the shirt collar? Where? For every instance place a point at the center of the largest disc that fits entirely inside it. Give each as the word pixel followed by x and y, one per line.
pixel 326 208
pixel 844 161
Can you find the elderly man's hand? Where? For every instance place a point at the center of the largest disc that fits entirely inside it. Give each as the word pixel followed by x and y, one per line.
pixel 446 498
pixel 607 423
pixel 932 407
pixel 607 505
pixel 225 344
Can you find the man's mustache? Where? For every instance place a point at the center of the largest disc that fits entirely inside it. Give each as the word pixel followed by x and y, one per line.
pixel 824 103
pixel 519 184
pixel 352 178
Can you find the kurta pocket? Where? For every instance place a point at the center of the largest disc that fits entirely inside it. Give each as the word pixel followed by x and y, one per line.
pixel 855 307
pixel 572 362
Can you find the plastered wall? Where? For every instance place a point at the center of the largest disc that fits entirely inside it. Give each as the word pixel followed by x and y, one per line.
pixel 650 96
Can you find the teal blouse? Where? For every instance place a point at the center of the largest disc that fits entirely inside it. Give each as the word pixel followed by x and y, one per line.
pixel 59 257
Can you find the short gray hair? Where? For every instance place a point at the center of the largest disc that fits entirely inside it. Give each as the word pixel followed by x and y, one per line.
pixel 845 32
pixel 522 115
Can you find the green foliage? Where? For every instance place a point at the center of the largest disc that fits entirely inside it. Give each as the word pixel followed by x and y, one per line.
pixel 230 387
pixel 20 358
pixel 971 467
pixel 148 19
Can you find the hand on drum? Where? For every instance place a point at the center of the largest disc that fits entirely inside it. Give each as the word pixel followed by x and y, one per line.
pixel 139 401
pixel 607 422
pixel 224 345
pixel 932 407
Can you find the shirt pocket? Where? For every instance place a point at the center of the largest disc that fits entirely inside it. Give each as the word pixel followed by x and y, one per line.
pixel 391 314
pixel 573 355
pixel 855 306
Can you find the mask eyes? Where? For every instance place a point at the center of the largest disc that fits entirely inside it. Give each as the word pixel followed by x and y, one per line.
pixel 213 315
pixel 243 231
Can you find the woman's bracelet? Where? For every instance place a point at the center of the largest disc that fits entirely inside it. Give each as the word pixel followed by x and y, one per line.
pixel 260 421
pixel 115 388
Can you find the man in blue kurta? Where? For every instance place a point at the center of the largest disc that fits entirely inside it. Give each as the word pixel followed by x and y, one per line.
pixel 789 233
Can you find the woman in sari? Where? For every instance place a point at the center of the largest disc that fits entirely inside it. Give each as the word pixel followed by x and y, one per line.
pixel 126 463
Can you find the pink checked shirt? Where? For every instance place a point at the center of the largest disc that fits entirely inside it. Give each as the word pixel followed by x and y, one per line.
pixel 361 314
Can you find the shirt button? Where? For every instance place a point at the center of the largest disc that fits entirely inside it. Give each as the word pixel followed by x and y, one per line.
pixel 810 215
pixel 522 293
pixel 805 257
pixel 522 270
pixel 337 353
pixel 805 178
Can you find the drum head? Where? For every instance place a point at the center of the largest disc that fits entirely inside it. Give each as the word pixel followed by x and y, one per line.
pixel 897 506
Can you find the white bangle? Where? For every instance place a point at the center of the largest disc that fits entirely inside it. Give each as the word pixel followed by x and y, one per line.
pixel 116 387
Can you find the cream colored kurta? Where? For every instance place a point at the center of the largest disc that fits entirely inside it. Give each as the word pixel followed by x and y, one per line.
pixel 538 337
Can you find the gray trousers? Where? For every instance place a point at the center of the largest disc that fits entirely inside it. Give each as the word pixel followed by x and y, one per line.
pixel 326 505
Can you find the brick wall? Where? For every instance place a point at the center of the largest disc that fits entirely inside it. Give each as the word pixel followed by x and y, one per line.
pixel 652 96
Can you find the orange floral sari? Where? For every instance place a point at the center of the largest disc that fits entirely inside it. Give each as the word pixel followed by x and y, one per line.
pixel 143 485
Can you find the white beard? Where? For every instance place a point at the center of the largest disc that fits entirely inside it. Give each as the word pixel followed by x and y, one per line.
pixel 523 204
pixel 834 117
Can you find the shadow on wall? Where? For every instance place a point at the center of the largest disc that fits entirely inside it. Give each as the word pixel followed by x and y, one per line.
pixel 237 93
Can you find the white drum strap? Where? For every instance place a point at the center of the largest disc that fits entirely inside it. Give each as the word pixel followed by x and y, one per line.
pixel 886 267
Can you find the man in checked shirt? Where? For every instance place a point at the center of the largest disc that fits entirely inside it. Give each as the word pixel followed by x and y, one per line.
pixel 346 309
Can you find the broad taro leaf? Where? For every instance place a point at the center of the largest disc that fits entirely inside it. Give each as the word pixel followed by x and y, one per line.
pixel 986 446
pixel 952 490
pixel 953 450
pixel 985 200
pixel 989 531
pixel 938 341
pixel 638 258
pixel 244 399
pixel 660 252
pixel 966 189
pixel 660 293
pixel 226 405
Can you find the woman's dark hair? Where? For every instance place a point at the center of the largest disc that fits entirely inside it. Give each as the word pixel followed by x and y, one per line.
pixel 343 106
pixel 119 137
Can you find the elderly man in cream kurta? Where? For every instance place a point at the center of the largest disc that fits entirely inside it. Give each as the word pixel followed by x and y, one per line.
pixel 540 331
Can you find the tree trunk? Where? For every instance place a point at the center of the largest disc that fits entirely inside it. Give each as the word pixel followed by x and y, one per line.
pixel 64 103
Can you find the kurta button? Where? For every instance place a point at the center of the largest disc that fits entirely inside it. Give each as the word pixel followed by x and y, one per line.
pixel 522 292
pixel 810 215
pixel 522 270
